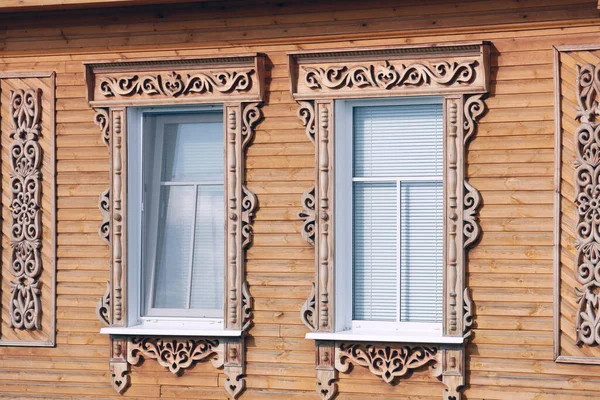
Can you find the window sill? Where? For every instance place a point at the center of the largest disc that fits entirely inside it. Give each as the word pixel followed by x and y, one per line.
pixel 363 335
pixel 174 328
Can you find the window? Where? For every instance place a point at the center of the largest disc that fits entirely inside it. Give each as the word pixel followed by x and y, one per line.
pixel 390 208
pixel 177 181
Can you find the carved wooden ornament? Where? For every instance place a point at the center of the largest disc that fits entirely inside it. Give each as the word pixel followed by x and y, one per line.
pixel 459 73
pixel 587 200
pixel 112 87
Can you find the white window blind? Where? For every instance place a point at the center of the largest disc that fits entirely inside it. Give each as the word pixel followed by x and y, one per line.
pixel 183 214
pixel 397 212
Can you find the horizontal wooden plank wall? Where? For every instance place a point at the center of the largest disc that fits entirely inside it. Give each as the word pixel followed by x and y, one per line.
pixel 510 162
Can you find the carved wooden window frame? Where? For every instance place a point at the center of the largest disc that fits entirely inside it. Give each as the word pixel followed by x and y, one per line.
pixel 460 74
pixel 238 84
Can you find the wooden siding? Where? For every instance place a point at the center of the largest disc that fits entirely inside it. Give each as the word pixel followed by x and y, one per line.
pixel 510 162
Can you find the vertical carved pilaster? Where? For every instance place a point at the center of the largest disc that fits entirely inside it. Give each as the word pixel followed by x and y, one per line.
pixel 450 369
pixel 233 368
pixel 326 372
pixel 117 215
pixel 325 214
pixel 26 219
pixel 233 217
pixel 452 213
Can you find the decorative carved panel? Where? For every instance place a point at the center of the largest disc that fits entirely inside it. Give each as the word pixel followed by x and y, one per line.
pixel 459 73
pixel 577 216
pixel 181 81
pixel 378 72
pixel 28 134
pixel 238 83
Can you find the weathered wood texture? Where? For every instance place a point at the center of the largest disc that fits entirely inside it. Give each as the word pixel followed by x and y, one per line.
pixel 510 162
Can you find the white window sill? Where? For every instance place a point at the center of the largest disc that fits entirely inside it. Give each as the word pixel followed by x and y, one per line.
pixel 364 335
pixel 174 328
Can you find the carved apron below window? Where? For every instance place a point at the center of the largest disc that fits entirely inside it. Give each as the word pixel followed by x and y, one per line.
pixel 458 73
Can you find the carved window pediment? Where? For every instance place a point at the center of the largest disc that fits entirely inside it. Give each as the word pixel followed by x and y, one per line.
pixel 182 81
pixel 236 83
pixel 396 71
pixel 460 74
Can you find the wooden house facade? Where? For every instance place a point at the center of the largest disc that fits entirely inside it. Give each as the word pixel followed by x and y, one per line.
pixel 516 88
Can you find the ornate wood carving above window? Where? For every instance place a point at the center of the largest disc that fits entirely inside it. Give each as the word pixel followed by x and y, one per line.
pixel 28 117
pixel 237 83
pixel 459 73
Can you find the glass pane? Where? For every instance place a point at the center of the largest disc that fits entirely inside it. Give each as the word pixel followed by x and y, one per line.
pixel 173 251
pixel 207 276
pixel 193 151
pixel 398 141
pixel 375 251
pixel 421 251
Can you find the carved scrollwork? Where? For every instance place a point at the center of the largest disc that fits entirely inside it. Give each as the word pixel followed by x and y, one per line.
pixel 386 361
pixel 104 206
pixel 471 228
pixel 251 116
pixel 588 93
pixel 469 312
pixel 174 354
pixel 306 113
pixel 308 216
pixel 587 200
pixel 387 76
pixel 174 84
pixel 474 108
pixel 308 312
pixel 26 218
pixel 103 306
pixel 103 121
pixel 249 206
pixel 247 306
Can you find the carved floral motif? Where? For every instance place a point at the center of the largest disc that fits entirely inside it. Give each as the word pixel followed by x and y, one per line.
pixel 174 354
pixel 309 310
pixel 386 361
pixel 387 75
pixel 587 200
pixel 306 113
pixel 247 305
pixel 26 218
pixel 103 121
pixel 474 108
pixel 175 84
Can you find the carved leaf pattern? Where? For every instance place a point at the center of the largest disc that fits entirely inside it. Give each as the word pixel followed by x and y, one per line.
pixel 174 84
pixel 387 362
pixel 174 354
pixel 387 76
pixel 587 200
pixel 471 228
pixel 26 224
